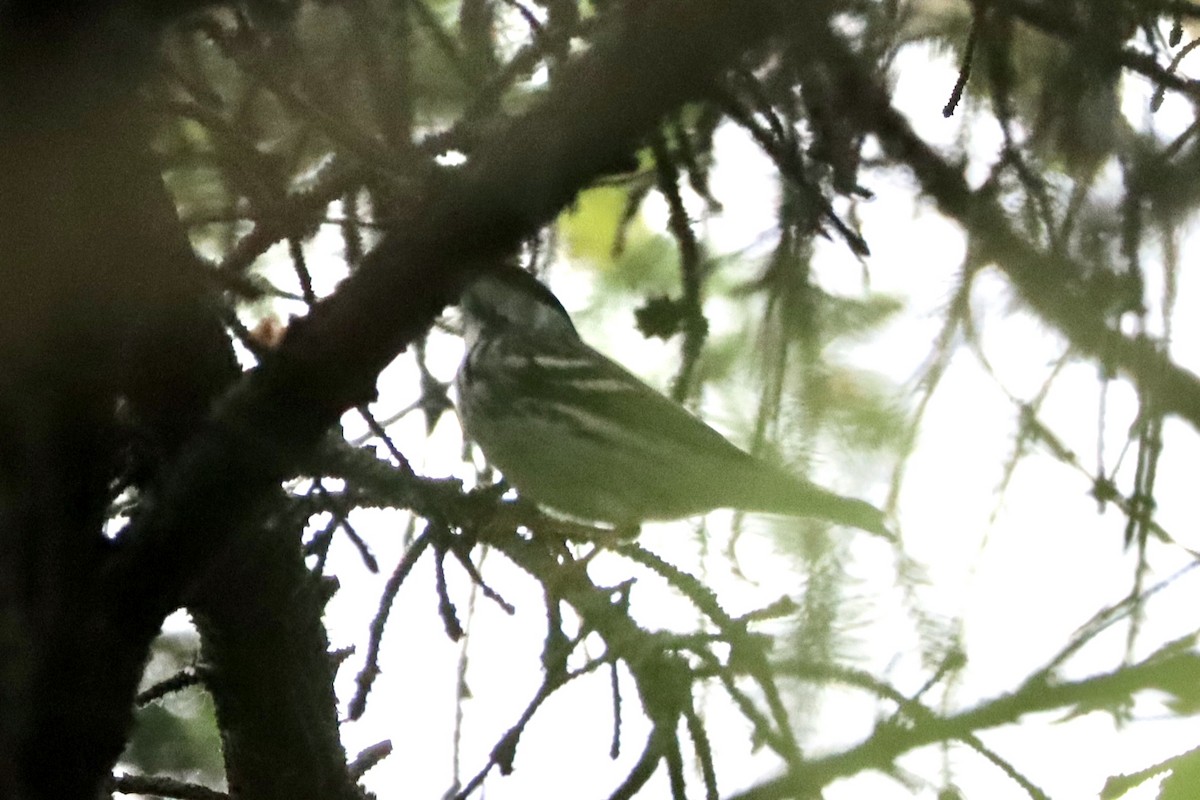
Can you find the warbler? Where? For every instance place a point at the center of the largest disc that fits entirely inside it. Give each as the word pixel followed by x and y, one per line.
pixel 582 436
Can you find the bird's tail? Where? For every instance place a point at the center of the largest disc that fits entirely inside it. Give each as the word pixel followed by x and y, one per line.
pixel 791 496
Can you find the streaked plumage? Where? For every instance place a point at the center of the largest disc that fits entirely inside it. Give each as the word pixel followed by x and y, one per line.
pixel 578 433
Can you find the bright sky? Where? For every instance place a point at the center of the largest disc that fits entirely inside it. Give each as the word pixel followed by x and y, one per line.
pixel 1021 585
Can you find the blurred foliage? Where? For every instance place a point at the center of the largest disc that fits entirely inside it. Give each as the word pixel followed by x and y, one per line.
pixel 597 228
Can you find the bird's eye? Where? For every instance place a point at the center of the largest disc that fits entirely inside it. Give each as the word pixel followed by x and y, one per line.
pixel 493 318
pixel 486 314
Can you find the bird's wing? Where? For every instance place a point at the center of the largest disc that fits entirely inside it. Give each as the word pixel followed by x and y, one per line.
pixel 605 401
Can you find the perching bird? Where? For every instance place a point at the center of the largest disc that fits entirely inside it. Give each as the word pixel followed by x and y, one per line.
pixel 581 435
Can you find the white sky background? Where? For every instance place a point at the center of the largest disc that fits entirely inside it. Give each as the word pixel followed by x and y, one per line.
pixel 1021 586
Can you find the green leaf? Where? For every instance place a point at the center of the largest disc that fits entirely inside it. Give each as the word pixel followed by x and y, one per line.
pixel 590 228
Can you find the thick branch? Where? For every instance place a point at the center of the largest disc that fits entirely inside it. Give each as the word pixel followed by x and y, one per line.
pixel 259 616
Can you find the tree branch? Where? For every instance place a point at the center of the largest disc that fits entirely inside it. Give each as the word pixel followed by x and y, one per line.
pixel 890 741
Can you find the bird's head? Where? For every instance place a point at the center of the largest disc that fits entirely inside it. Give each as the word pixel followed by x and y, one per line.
pixel 508 299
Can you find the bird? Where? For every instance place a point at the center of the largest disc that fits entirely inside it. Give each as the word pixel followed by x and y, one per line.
pixel 583 437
